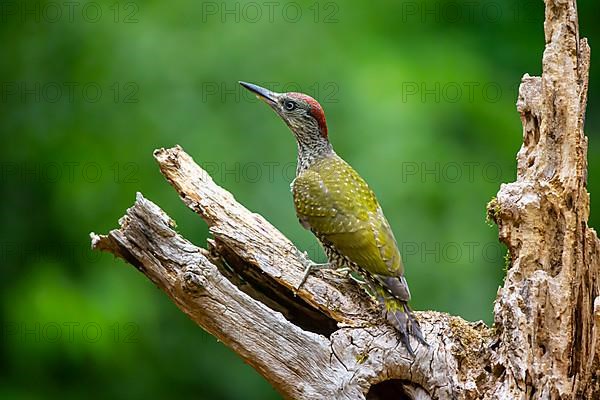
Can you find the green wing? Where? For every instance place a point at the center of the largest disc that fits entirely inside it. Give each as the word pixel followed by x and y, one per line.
pixel 334 202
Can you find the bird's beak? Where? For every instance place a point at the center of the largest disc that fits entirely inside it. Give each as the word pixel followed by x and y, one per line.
pixel 264 94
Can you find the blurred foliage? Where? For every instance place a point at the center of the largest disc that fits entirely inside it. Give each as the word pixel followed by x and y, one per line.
pixel 420 99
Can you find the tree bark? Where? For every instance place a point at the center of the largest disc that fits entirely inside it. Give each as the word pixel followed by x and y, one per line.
pixel 328 341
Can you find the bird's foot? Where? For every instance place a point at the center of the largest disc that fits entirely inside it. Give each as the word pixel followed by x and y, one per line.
pixel 309 266
pixel 342 272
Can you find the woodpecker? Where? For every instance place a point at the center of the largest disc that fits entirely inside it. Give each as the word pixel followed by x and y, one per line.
pixel 337 205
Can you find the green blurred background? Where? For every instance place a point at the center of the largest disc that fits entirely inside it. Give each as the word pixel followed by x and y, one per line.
pixel 420 99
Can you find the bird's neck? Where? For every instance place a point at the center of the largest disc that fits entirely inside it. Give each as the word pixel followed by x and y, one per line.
pixel 308 153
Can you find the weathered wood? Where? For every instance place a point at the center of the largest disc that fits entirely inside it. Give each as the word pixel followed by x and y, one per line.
pixel 327 341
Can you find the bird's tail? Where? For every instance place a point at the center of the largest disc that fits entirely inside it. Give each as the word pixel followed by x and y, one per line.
pixel 393 294
pixel 399 314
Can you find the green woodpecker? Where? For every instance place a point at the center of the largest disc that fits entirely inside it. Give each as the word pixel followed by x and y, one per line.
pixel 335 203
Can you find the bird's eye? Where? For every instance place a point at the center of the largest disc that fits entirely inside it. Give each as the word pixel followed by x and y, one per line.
pixel 289 105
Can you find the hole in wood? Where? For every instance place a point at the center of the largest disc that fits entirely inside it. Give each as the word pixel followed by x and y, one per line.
pixel 392 389
pixel 268 291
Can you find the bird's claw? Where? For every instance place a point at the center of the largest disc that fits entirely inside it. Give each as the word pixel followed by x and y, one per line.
pixel 343 272
pixel 309 266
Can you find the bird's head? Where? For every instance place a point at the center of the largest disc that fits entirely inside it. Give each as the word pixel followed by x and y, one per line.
pixel 303 114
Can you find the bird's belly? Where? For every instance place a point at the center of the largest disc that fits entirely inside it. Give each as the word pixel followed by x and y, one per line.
pixel 338 260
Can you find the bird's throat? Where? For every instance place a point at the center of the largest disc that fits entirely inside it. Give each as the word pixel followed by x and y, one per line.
pixel 309 153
